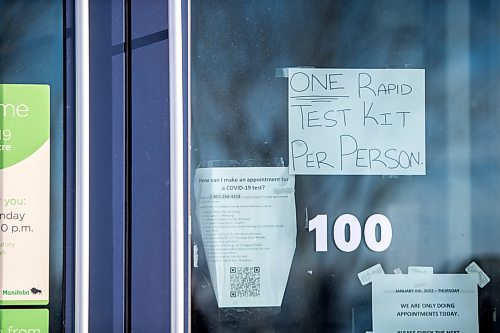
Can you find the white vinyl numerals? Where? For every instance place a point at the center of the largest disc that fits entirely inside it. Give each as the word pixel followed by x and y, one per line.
pixel 348 222
pixel 319 224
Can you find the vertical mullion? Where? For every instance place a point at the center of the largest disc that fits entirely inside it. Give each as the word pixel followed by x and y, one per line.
pixel 68 158
pixel 82 206
pixel 128 169
pixel 177 171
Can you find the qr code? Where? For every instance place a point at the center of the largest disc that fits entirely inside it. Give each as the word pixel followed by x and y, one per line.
pixel 244 281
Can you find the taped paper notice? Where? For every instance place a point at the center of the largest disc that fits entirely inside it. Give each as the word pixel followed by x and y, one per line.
pixel 424 303
pixel 356 121
pixel 367 275
pixel 474 268
pixel 248 227
pixel 24 194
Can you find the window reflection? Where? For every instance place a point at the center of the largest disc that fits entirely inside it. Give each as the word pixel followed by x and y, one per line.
pixel 444 219
pixel 31 52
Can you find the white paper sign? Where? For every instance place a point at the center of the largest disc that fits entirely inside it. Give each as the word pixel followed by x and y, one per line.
pixel 356 121
pixel 248 227
pixel 440 303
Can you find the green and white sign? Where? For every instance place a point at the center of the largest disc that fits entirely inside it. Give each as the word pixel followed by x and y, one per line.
pixel 24 321
pixel 24 193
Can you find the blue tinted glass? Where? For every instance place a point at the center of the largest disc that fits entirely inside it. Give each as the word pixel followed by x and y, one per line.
pixel 445 219
pixel 31 52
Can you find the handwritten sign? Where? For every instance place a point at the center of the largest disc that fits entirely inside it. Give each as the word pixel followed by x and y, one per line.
pixel 356 121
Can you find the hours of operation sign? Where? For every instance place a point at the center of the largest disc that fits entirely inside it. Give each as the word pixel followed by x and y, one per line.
pixel 24 194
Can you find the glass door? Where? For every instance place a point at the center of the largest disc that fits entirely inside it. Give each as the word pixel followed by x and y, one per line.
pixel 344 166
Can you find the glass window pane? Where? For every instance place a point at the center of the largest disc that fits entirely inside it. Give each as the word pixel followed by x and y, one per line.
pixel 32 165
pixel 444 220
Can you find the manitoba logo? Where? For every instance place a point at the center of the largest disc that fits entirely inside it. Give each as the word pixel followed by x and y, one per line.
pixel 15 292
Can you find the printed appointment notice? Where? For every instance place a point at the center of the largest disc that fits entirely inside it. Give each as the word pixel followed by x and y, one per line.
pixel 247 221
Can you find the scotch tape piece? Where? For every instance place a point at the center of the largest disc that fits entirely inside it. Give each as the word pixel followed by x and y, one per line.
pixel 483 278
pixel 420 270
pixel 281 72
pixel 398 271
pixel 195 255
pixel 475 276
pixel 306 225
pixel 366 276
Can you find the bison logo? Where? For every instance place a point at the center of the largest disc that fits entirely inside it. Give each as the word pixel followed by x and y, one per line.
pixel 35 291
